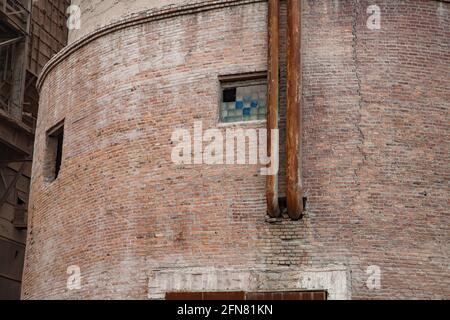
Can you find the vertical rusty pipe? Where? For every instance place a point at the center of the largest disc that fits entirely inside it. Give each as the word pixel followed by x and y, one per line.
pixel 294 192
pixel 273 99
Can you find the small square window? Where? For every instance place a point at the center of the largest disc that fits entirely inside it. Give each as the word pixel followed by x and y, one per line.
pixel 244 98
pixel 55 141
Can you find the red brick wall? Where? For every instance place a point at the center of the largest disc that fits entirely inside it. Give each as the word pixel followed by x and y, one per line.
pixel 401 211
pixel 376 153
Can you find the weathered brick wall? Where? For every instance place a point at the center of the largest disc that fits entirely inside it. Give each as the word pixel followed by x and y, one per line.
pixel 99 13
pixel 376 153
pixel 402 207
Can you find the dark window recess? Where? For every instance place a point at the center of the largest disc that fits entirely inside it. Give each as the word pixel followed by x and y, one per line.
pixel 55 144
pixel 58 161
pixel 229 95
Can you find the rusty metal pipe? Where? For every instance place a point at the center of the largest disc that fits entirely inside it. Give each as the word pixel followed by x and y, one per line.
pixel 294 191
pixel 273 89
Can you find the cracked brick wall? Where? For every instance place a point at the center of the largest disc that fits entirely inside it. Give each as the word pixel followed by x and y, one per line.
pixel 402 208
pixel 376 153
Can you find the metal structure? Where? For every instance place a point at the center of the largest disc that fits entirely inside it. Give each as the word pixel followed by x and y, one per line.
pixel 294 192
pixel 15 24
pixel 31 32
pixel 273 88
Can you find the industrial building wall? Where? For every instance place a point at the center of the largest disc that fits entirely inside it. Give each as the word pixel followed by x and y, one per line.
pixel 43 37
pixel 48 33
pixel 375 163
pixel 12 234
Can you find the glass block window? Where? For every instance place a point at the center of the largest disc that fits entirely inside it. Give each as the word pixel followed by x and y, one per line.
pixel 244 98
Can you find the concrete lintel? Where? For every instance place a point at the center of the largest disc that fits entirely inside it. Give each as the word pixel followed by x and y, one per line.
pixel 333 279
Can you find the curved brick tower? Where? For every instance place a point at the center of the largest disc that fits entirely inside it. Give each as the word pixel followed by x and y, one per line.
pixel 375 154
